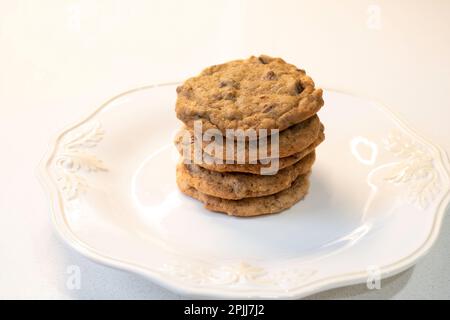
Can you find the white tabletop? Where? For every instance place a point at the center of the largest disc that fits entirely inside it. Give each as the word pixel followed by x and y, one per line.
pixel 60 59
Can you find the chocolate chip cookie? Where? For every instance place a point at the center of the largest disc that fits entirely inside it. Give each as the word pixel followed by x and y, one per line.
pixel 236 186
pixel 256 93
pixel 210 163
pixel 292 140
pixel 248 207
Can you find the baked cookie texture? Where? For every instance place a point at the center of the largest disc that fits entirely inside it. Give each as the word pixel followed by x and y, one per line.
pixel 292 140
pixel 212 164
pixel 235 186
pixel 249 207
pixel 255 93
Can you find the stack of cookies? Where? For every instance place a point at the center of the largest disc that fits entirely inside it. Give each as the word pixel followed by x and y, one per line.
pixel 249 136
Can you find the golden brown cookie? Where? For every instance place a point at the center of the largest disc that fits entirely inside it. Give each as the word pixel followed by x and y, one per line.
pixel 255 93
pixel 236 186
pixel 248 207
pixel 292 140
pixel 211 164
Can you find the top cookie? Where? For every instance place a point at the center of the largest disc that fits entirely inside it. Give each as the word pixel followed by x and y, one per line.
pixel 256 93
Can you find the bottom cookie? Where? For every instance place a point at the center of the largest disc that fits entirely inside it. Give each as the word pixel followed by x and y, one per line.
pixel 249 207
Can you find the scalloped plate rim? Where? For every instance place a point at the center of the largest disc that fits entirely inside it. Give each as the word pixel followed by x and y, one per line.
pixel 70 239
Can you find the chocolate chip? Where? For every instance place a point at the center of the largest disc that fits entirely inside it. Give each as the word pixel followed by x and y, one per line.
pixel 268 108
pixel 229 96
pixel 217 96
pixel 298 87
pixel 264 59
pixel 228 83
pixel 270 75
pixel 179 88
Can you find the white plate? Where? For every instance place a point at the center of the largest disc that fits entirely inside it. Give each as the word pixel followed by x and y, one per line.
pixel 378 195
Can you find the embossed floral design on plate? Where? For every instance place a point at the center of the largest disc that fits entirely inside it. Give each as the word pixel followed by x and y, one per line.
pixel 374 180
pixel 73 159
pixel 416 170
pixel 239 274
